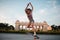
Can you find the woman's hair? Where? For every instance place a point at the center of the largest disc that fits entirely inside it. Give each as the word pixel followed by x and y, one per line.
pixel 29 9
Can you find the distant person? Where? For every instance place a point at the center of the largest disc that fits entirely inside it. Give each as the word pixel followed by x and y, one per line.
pixel 30 17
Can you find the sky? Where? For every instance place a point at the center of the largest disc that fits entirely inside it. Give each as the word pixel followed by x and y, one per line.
pixel 44 10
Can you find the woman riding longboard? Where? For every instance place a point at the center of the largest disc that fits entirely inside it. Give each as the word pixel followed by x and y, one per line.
pixel 30 17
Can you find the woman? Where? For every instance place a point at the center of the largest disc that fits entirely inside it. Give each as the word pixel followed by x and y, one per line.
pixel 30 17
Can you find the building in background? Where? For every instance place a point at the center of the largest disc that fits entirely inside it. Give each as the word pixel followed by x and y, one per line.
pixel 45 26
pixel 17 25
pixel 38 25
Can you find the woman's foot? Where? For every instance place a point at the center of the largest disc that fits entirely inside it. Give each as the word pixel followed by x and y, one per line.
pixel 36 37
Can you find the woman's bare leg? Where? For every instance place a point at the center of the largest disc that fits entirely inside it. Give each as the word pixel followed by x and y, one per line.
pixel 34 30
pixel 29 25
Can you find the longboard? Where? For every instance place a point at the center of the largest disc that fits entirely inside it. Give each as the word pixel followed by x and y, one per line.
pixel 37 37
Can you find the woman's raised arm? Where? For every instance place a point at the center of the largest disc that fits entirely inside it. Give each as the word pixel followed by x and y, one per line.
pixel 31 5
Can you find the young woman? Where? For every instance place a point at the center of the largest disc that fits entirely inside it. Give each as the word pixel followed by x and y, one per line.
pixel 29 14
pixel 30 17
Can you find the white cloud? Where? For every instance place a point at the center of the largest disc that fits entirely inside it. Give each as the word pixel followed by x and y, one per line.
pixel 42 11
pixel 11 14
pixel 51 14
pixel 52 3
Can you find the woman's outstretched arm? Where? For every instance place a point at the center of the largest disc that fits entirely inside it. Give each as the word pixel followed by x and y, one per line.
pixel 31 6
pixel 27 6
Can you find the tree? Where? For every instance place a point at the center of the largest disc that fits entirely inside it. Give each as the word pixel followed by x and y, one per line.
pixel 5 26
pixel 54 27
pixel 11 27
pixel 59 27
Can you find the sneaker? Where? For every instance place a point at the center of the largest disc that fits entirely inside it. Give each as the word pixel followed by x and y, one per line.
pixel 35 36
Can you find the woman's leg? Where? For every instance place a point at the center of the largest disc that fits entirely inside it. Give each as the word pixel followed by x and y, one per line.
pixel 34 30
pixel 29 25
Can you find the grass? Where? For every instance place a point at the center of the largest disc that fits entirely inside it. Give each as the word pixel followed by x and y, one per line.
pixel 26 31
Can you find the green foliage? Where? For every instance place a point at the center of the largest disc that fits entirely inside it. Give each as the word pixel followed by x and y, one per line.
pixel 25 32
pixel 6 26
